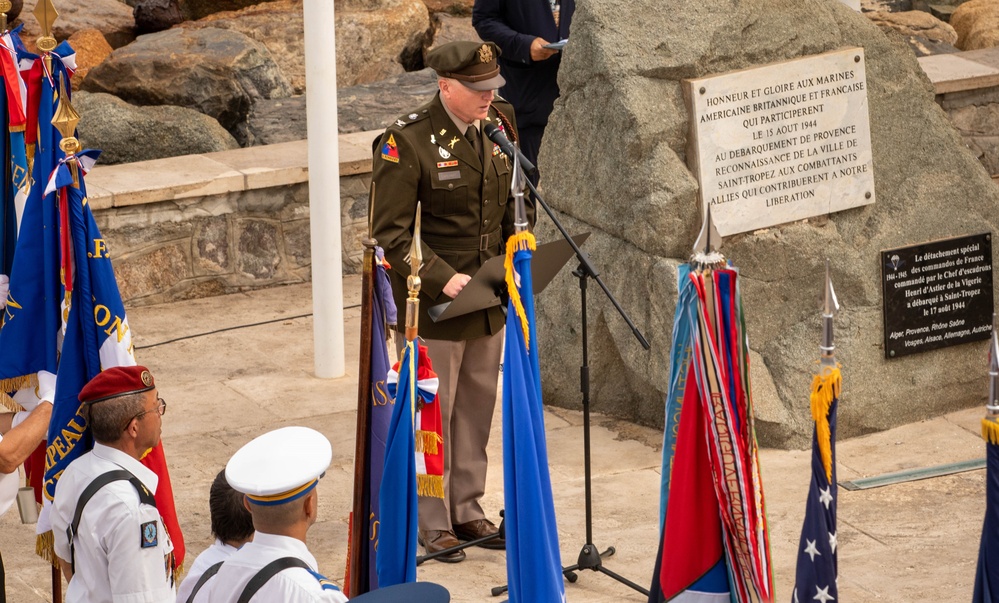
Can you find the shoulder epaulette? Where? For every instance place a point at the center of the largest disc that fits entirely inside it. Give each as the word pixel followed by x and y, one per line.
pixel 325 582
pixel 411 118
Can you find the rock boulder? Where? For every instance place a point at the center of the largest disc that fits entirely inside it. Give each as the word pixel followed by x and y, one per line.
pixel 613 162
pixel 216 71
pixel 977 24
pixel 915 23
pixel 112 18
pixel 277 25
pixel 91 49
pixel 448 28
pixel 127 133
pixel 372 45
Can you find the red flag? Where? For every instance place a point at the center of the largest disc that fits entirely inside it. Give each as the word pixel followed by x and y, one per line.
pixel 155 460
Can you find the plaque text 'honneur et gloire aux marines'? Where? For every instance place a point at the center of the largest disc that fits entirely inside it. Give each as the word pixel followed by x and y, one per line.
pixel 782 142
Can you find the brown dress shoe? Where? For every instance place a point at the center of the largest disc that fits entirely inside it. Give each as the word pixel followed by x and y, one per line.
pixel 480 528
pixel 438 540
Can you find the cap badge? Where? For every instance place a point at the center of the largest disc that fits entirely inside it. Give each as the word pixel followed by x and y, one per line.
pixel 147 379
pixel 485 53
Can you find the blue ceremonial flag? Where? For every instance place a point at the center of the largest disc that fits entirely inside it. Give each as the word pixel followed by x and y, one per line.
pixel 383 313
pixel 397 537
pixel 815 577
pixel 987 574
pixel 96 331
pixel 533 563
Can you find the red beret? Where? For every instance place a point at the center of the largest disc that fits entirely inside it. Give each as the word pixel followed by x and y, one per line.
pixel 115 382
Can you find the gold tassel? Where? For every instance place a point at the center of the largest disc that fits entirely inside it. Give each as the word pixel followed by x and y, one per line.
pixel 990 431
pixel 427 441
pixel 430 485
pixel 45 548
pixel 825 388
pixel 519 242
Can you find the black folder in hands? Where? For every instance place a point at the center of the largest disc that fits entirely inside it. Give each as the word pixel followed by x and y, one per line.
pixel 486 288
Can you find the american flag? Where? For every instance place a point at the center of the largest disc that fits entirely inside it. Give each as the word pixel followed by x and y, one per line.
pixel 815 577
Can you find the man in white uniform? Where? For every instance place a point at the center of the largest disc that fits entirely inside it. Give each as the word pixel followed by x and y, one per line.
pixel 278 473
pixel 232 527
pixel 120 551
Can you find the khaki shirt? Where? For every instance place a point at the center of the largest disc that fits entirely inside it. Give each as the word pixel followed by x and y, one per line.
pixel 466 210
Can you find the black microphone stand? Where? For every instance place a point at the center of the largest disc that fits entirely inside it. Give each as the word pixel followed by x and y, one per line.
pixel 590 556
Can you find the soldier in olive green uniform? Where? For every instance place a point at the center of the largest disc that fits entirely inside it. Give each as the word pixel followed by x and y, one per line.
pixel 438 155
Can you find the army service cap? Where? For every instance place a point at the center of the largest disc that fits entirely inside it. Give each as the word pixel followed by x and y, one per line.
pixel 279 466
pixel 471 63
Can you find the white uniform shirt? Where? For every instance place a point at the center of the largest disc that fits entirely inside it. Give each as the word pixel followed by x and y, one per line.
pixel 293 585
pixel 219 551
pixel 122 549
pixel 9 482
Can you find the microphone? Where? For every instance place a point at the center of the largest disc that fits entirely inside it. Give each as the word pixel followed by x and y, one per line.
pixel 497 136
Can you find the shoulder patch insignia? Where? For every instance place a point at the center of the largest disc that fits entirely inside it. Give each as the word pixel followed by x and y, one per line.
pixel 148 535
pixel 400 123
pixel 390 152
pixel 413 116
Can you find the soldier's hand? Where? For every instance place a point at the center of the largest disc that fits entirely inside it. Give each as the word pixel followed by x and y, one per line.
pixel 456 284
pixel 538 50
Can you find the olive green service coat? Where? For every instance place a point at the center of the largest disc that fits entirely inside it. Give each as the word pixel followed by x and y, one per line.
pixel 466 215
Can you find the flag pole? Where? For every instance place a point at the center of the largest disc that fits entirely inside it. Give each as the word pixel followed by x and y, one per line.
pixel 65 120
pixel 359 515
pixel 413 281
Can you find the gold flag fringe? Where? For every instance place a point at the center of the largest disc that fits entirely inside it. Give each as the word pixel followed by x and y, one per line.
pixel 990 431
pixel 9 403
pixel 45 548
pixel 427 441
pixel 522 241
pixel 825 388
pixel 430 485
pixel 12 385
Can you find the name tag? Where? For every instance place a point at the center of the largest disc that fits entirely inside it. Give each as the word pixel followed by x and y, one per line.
pixel 452 175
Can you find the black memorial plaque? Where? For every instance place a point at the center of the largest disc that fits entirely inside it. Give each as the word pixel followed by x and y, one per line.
pixel 937 294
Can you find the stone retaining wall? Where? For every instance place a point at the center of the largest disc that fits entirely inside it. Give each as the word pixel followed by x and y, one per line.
pixel 206 225
pixel 967 89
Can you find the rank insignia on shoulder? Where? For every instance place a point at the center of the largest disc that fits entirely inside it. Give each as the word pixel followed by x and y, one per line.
pixel 400 123
pixel 413 116
pixel 390 152
pixel 148 534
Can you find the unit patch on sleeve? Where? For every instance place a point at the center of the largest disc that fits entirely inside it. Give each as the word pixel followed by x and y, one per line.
pixel 390 152
pixel 149 535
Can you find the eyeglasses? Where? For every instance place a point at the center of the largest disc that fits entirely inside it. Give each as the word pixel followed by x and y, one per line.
pixel 160 410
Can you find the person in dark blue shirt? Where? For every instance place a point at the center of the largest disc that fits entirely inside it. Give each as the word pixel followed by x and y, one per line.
pixel 522 28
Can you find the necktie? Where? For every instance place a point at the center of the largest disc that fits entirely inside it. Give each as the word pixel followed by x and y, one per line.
pixel 472 135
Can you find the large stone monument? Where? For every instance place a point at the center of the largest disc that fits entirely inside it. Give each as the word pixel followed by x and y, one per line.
pixel 615 162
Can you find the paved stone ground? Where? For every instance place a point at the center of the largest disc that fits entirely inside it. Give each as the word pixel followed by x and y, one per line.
pixel 233 367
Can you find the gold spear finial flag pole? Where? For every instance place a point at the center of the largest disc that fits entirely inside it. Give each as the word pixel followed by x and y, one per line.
pixel 5 6
pixel 46 13
pixel 413 281
pixel 65 120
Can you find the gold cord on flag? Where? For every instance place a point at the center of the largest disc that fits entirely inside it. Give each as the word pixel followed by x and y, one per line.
pixel 990 430
pixel 522 241
pixel 825 388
